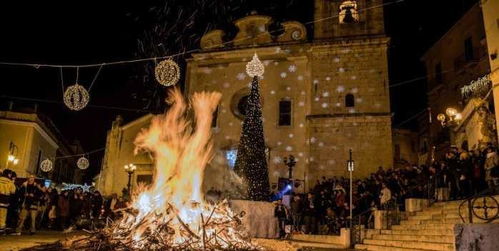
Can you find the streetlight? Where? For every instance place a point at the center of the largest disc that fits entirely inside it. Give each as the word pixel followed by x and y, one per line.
pixel 350 168
pixel 451 117
pixel 12 157
pixel 290 162
pixel 130 169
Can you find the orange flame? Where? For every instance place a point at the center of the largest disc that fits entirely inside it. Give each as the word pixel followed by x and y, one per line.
pixel 181 144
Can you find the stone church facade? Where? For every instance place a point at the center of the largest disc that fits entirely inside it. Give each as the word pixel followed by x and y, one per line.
pixel 322 95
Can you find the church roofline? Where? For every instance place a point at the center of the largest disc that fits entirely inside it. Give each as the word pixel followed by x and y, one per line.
pixel 137 121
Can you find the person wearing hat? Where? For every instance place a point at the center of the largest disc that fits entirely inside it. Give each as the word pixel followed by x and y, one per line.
pixel 7 188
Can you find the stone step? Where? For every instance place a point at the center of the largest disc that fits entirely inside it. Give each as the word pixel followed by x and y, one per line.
pixel 424 226
pixel 412 244
pixel 426 238
pixel 383 248
pixel 440 232
pixel 431 221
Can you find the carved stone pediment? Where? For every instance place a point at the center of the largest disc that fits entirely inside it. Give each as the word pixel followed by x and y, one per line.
pixel 293 31
pixel 212 40
pixel 253 30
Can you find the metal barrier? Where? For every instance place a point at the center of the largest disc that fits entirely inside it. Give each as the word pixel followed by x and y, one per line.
pixel 482 205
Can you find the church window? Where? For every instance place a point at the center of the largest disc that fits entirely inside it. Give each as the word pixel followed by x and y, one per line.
pixel 349 100
pixel 468 49
pixel 284 113
pixel 348 12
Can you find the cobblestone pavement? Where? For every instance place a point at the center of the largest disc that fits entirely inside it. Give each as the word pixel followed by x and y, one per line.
pixel 11 242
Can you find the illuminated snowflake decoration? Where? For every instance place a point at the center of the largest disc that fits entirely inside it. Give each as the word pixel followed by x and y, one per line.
pixel 324 105
pixel 167 72
pixel 83 163
pixel 355 90
pixel 292 68
pixel 76 97
pixel 341 69
pixel 301 125
pixel 241 76
pixel 301 103
pixel 336 59
pixel 284 75
pixel 255 68
pixel 276 160
pixel 340 89
pixel 328 78
pixel 272 92
pixel 226 85
pixel 291 135
pixel 325 94
pixel 289 148
pixel 300 78
pixel 46 165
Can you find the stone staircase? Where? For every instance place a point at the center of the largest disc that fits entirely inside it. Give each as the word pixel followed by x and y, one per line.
pixel 430 229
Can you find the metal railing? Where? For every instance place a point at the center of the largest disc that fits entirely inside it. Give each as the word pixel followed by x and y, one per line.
pixel 482 206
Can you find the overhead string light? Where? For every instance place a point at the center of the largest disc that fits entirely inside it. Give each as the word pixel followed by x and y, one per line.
pixel 167 72
pixel 76 97
pixel 83 163
pixel 46 165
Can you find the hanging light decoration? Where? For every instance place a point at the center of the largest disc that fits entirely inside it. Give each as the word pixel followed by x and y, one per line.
pixel 83 163
pixel 46 165
pixel 167 72
pixel 255 67
pixel 76 97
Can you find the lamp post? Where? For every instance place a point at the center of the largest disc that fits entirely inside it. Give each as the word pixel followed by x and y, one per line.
pixel 450 119
pixel 12 157
pixel 290 162
pixel 130 169
pixel 350 167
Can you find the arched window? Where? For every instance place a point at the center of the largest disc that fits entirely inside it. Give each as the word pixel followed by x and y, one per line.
pixel 349 100
pixel 285 111
pixel 348 12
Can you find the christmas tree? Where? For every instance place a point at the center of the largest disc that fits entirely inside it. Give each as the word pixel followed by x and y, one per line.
pixel 251 160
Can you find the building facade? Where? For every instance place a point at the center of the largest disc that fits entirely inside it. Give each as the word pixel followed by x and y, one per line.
pixel 490 9
pixel 28 138
pixel 322 95
pixel 456 59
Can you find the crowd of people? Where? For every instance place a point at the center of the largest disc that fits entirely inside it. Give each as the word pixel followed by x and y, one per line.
pixel 33 206
pixel 325 209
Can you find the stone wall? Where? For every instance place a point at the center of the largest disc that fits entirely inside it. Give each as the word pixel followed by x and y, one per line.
pixel 476 237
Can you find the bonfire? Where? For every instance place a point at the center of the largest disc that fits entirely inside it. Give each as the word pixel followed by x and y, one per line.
pixel 171 213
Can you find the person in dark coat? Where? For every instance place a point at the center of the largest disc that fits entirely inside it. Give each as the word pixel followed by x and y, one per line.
pixel 310 214
pixel 76 203
pixel 281 213
pixel 30 197
pixel 96 205
pixel 64 209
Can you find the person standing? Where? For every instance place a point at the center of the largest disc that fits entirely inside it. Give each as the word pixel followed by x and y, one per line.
pixel 281 213
pixel 385 197
pixel 491 166
pixel 296 212
pixel 63 208
pixel 29 193
pixel 7 188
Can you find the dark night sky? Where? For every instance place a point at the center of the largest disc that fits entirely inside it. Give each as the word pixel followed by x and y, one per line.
pixel 81 32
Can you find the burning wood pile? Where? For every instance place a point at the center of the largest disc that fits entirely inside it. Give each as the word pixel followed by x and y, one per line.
pixel 171 213
pixel 220 229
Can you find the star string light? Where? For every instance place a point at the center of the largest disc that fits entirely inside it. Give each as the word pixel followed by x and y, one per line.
pixel 167 72
pixel 476 87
